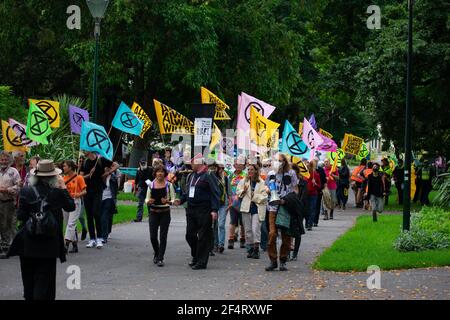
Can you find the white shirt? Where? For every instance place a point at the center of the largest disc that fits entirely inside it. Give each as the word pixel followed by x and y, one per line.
pixel 10 179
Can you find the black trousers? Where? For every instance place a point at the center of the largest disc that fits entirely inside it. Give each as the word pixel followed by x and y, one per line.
pixel 199 233
pixel 318 204
pixel 398 185
pixel 426 189
pixel 93 205
pixel 161 221
pixel 39 278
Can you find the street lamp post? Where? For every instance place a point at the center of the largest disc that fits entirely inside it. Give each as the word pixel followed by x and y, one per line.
pixel 97 9
pixel 407 181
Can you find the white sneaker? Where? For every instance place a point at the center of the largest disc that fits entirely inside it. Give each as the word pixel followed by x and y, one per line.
pixel 91 244
pixel 99 244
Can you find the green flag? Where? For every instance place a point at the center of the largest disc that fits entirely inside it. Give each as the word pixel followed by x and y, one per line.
pixel 38 127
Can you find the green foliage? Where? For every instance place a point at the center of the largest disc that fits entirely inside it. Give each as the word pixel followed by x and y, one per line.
pixel 430 229
pixel 443 193
pixel 10 106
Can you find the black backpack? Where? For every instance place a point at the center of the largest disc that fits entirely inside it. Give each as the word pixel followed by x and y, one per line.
pixel 42 223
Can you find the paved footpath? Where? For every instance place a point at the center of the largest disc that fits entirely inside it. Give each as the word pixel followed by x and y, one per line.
pixel 123 269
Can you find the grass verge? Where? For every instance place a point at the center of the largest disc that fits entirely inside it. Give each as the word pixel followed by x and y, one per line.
pixel 369 243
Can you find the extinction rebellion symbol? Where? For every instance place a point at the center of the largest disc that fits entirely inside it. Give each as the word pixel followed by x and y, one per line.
pixel 258 108
pixel 96 138
pixel 294 144
pixel 129 120
pixel 36 128
pixel 49 111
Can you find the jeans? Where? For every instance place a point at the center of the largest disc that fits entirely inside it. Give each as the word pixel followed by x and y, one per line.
pixel 220 237
pixel 140 209
pixel 161 221
pixel 107 213
pixel 312 210
pixel 93 205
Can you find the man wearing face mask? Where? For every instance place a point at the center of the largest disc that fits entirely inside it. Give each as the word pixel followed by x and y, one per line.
pixel 143 174
pixel 286 181
pixel 376 190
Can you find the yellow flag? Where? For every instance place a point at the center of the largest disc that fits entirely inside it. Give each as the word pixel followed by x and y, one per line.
pixel 51 110
pixel 352 144
pixel 261 128
pixel 11 142
pixel 413 182
pixel 209 97
pixel 215 138
pixel 300 129
pixel 326 133
pixel 170 121
pixel 303 168
pixel 140 113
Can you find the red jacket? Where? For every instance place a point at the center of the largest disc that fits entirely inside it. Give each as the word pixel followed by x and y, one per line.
pixel 314 188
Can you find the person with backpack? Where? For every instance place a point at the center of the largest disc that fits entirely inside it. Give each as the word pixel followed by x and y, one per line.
pixel 160 195
pixel 253 194
pixel 40 241
pixel 77 189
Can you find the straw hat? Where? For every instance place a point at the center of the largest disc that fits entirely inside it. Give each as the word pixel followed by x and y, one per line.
pixel 45 168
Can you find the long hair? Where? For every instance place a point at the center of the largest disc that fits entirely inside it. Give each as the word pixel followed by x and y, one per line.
pixel 287 165
pixel 50 182
pixel 257 176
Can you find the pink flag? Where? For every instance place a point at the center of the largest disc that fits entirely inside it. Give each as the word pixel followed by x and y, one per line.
pixel 245 104
pixel 310 136
pixel 327 145
pixel 21 131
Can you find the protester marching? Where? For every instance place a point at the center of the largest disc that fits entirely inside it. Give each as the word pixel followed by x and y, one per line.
pixel 271 188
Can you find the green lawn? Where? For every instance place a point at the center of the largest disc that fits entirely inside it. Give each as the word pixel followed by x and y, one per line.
pixel 122 196
pixel 369 243
pixel 393 201
pixel 126 214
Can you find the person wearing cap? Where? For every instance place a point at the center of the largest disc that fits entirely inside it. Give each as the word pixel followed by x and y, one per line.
pixel 143 174
pixel 9 188
pixel 38 254
pixel 203 203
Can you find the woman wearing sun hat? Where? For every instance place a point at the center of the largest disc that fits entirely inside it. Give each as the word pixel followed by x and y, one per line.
pixel 47 194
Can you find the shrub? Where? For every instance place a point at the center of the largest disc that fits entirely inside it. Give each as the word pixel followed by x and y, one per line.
pixel 430 229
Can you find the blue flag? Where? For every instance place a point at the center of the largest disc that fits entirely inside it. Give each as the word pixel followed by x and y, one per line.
pixel 292 142
pixel 94 138
pixel 125 120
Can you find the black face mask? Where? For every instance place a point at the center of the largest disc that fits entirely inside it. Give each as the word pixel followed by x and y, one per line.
pixel 376 170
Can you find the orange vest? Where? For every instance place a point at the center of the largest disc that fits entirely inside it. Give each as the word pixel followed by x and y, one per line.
pixel 355 174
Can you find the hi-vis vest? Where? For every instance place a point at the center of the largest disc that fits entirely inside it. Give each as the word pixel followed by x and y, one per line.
pixel 356 172
pixel 426 173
